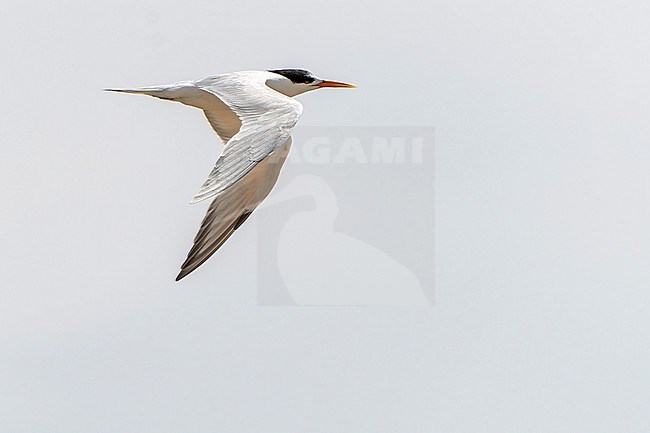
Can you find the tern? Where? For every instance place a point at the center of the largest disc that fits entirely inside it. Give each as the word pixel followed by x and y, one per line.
pixel 253 114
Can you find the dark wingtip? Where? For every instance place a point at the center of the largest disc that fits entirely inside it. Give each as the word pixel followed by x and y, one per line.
pixel 180 276
pixel 119 90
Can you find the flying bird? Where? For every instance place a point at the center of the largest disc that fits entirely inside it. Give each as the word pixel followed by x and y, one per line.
pixel 253 114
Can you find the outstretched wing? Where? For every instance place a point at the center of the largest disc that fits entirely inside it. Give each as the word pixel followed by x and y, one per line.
pixel 225 214
pixel 267 118
pixel 232 207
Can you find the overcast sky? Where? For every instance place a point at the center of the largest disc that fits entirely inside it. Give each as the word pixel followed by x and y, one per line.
pixel 540 320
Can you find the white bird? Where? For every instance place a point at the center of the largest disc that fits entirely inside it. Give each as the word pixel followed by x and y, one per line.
pixel 253 113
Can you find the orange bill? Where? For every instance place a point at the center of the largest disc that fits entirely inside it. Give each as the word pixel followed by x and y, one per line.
pixel 328 83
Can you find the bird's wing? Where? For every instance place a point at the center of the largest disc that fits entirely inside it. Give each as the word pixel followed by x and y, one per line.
pixel 225 214
pixel 232 207
pixel 222 119
pixel 267 119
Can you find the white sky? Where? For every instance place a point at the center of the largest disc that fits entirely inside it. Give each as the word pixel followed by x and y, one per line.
pixel 541 318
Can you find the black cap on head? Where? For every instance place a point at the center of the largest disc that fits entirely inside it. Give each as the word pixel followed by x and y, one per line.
pixel 296 75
